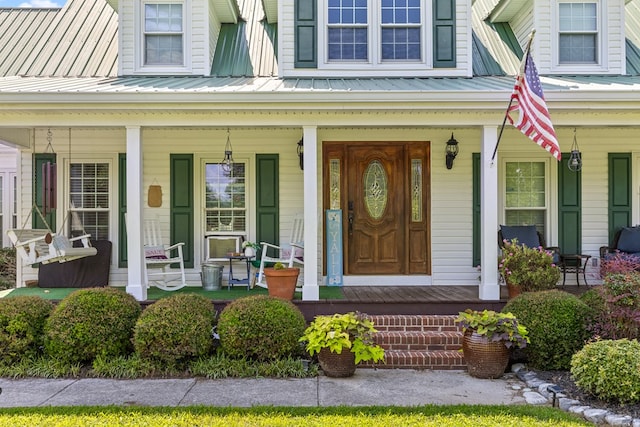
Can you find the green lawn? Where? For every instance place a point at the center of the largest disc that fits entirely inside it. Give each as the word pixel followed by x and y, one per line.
pixel 430 415
pixel 153 293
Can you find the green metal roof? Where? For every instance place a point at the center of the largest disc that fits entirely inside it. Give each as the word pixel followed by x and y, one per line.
pixel 249 47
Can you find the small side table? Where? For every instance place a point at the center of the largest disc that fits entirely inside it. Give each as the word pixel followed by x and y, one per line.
pixel 237 281
pixel 574 263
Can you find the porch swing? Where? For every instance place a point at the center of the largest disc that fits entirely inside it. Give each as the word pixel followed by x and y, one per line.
pixel 42 245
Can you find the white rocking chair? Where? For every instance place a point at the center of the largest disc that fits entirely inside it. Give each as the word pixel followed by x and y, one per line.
pixel 158 258
pixel 288 254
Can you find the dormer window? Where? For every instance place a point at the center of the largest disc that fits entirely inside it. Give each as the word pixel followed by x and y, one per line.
pixel 379 31
pixel 163 37
pixel 163 34
pixel 578 33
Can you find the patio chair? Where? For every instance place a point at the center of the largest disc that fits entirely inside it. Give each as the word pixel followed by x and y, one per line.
pixel 288 254
pixel 526 235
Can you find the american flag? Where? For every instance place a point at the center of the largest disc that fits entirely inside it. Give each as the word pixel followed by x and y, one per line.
pixel 534 120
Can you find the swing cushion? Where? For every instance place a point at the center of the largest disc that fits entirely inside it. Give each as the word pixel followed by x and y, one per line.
pixel 155 252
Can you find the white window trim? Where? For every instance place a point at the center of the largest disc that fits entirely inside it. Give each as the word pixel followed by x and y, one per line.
pixel 64 197
pixel 140 67
pixel 199 188
pixel 551 189
pixel 374 30
pixel 601 43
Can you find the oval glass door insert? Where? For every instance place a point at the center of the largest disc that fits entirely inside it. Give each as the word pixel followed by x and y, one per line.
pixel 375 189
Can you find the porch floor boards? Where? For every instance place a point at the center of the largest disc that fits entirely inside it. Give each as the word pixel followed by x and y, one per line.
pixel 411 300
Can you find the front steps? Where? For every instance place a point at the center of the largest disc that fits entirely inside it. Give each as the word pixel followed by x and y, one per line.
pixel 418 342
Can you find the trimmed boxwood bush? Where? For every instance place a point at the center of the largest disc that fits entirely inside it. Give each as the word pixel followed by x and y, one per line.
pixel 91 322
pixel 22 321
pixel 261 328
pixel 609 370
pixel 557 324
pixel 175 330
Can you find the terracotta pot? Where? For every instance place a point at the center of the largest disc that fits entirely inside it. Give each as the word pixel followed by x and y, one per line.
pixel 282 283
pixel 513 290
pixel 337 365
pixel 484 358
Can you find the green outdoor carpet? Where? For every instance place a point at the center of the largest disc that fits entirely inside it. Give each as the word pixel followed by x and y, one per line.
pixel 326 292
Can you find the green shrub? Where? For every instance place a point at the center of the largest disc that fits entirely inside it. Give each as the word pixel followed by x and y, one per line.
pixel 91 322
pixel 261 328
pixel 22 321
pixel 557 324
pixel 7 268
pixel 174 330
pixel 609 370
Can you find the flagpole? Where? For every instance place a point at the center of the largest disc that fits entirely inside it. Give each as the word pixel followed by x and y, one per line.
pixel 506 114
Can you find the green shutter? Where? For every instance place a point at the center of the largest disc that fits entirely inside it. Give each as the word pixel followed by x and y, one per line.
pixel 40 159
pixel 181 205
pixel 475 159
pixel 569 208
pixel 306 31
pixel 619 192
pixel 444 33
pixel 122 210
pixel 267 198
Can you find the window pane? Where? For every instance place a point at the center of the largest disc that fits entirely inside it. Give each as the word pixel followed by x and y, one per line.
pixel 89 194
pixel 525 185
pixel 578 48
pixel 401 44
pixel 225 198
pixel 347 43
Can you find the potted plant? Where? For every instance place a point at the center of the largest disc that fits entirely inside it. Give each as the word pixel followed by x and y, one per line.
pixel 341 342
pixel 526 269
pixel 250 248
pixel 281 280
pixel 488 337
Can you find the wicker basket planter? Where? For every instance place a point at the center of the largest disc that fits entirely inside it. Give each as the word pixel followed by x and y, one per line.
pixel 337 365
pixel 484 358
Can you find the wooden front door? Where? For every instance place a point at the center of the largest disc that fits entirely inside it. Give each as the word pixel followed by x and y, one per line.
pixel 384 199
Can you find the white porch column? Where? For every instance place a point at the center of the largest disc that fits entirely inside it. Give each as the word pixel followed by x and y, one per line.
pixel 489 287
pixel 310 289
pixel 136 285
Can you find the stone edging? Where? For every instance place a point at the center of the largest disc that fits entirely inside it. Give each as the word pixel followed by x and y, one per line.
pixel 537 392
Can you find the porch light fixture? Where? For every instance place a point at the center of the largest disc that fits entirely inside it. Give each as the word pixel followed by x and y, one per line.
pixel 451 151
pixel 575 159
pixel 227 162
pixel 301 153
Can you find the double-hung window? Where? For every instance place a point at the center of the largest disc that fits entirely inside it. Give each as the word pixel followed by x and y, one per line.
pixel 525 197
pixel 89 192
pixel 225 199
pixel 375 32
pixel 164 38
pixel 578 32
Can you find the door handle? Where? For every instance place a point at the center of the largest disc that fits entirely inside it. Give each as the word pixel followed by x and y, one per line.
pixel 350 219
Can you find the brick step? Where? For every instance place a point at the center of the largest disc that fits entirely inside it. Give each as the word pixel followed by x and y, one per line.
pixel 419 341
pixel 414 323
pixel 405 359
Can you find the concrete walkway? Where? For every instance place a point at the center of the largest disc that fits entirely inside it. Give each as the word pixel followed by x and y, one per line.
pixel 367 387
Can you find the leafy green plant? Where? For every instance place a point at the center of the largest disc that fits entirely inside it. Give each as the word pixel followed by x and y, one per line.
pixel 495 326
pixel 278 266
pixel 22 321
pixel 261 327
pixel 221 365
pixel 609 369
pixel 91 322
pixel 530 269
pixel 557 326
pixel 175 330
pixel 352 331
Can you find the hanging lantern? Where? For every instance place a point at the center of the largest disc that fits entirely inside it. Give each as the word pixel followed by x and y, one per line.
pixel 575 159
